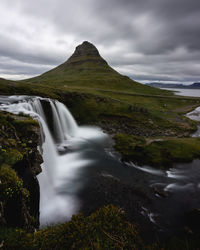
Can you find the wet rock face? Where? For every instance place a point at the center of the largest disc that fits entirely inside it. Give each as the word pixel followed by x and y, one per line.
pixel 20 160
pixel 192 219
pixel 2 218
pixel 27 170
pixel 86 49
pixel 86 52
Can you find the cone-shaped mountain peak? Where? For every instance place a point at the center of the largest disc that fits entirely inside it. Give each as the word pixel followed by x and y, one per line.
pixel 84 62
pixel 85 68
pixel 86 52
pixel 85 49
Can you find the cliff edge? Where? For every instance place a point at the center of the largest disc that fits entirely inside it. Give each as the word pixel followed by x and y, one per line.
pixel 19 164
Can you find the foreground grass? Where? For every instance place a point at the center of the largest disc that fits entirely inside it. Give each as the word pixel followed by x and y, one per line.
pixel 162 152
pixel 107 228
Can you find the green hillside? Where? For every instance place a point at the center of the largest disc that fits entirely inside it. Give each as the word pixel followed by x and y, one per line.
pixel 87 69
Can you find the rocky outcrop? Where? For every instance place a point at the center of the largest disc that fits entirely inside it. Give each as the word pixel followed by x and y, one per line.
pixel 84 49
pixel 86 53
pixel 19 165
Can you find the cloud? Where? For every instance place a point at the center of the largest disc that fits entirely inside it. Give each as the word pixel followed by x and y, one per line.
pixel 147 40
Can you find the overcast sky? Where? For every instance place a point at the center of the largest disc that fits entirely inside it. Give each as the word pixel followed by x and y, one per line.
pixel 148 40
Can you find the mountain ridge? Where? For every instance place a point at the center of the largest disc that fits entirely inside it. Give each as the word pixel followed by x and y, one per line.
pixel 83 54
pixel 195 85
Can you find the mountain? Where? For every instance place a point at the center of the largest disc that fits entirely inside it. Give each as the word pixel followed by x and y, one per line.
pixel 195 85
pixel 165 85
pixel 85 60
pixel 87 69
pixel 7 86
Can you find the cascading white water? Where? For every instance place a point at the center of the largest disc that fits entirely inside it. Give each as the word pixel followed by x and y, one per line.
pixel 59 178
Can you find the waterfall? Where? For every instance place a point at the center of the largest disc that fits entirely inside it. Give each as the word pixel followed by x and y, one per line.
pixel 59 179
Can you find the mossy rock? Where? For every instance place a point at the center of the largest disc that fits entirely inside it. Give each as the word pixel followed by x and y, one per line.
pixel 10 156
pixel 10 184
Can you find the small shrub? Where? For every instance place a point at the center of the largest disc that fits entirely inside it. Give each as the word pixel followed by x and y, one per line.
pixel 10 184
pixel 107 228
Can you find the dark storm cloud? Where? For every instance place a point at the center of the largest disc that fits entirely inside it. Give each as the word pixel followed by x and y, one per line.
pixel 167 24
pixel 8 66
pixel 145 39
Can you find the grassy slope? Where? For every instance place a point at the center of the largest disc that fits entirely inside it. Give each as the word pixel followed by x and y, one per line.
pixel 91 72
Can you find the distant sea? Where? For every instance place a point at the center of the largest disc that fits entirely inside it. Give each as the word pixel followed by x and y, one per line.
pixel 186 92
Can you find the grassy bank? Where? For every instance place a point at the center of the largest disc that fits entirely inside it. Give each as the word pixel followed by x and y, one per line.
pixel 162 152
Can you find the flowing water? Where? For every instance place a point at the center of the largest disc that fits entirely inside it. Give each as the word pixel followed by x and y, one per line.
pixel 69 151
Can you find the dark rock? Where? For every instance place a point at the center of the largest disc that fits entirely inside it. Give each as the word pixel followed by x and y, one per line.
pixel 2 217
pixel 160 192
pixel 85 52
pixel 192 219
pixel 85 49
pixel 21 209
pixel 27 170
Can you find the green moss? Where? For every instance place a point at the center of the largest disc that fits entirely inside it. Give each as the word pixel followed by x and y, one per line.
pixel 125 144
pixel 10 156
pixel 24 123
pixel 157 152
pixel 14 134
pixel 12 142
